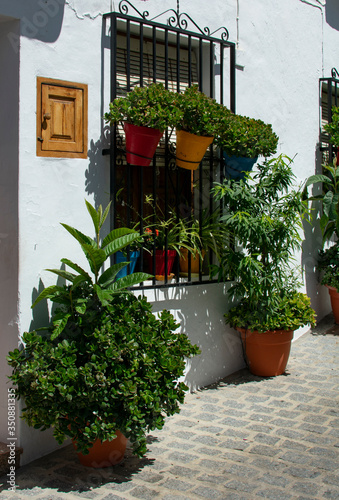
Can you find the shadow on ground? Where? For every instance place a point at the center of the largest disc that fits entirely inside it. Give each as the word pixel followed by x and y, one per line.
pixel 64 473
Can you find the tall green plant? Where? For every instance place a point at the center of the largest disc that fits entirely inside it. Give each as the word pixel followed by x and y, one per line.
pixel 264 216
pixel 74 299
pixel 329 199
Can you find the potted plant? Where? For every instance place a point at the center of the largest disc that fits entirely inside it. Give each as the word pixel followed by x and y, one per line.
pixel 196 125
pixel 201 236
pixel 328 263
pixel 242 140
pixel 146 113
pixel 106 369
pixel 264 217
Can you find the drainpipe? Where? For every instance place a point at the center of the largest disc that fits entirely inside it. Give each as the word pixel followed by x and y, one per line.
pixel 319 5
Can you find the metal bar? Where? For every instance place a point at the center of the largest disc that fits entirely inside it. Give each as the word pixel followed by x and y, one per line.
pixel 329 107
pixel 232 79
pixel 113 90
pixel 178 62
pixel 189 61
pixel 200 65
pixel 154 55
pixel 141 51
pixel 128 50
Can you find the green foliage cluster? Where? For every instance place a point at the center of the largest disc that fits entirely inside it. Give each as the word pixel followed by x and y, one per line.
pixel 105 362
pixel 199 114
pixel 152 106
pixel 245 137
pixel 328 266
pixel 333 127
pixel 329 198
pixel 264 218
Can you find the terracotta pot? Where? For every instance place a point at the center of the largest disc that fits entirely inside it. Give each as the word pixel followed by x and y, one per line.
pixel 191 149
pixel 104 454
pixel 141 143
pixel 267 353
pixel 334 296
pixel 195 261
pixel 160 262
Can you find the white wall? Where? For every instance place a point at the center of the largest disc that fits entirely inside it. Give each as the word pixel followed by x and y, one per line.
pixel 283 49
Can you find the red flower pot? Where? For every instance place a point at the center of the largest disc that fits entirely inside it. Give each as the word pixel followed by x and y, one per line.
pixel 160 262
pixel 267 353
pixel 141 143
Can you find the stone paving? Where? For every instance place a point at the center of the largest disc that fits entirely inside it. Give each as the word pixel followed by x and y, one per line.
pixel 246 437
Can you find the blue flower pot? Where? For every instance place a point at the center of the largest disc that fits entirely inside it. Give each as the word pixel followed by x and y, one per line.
pixel 120 257
pixel 237 166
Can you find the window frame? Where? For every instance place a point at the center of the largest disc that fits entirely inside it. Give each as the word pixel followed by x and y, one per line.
pixel 208 49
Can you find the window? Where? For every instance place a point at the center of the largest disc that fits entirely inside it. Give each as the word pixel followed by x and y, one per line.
pixel 144 51
pixel 329 97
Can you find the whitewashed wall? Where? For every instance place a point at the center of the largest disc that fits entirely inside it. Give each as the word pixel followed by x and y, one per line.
pixel 283 48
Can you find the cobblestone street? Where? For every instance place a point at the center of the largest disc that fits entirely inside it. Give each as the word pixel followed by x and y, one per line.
pixel 244 438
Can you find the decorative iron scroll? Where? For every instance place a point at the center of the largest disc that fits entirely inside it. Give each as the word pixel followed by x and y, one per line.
pixel 334 73
pixel 175 20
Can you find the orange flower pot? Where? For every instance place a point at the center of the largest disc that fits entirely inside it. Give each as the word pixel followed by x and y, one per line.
pixel 191 149
pixel 195 261
pixel 267 353
pixel 334 296
pixel 104 454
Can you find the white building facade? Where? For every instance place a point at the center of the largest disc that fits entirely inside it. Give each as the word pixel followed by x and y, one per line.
pixel 282 51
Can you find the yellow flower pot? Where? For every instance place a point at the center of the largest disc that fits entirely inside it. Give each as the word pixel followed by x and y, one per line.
pixel 191 149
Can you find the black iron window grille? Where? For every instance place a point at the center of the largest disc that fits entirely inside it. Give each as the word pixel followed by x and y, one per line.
pixel 178 54
pixel 329 97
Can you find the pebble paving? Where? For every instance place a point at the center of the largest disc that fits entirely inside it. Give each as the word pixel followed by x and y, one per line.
pixel 245 437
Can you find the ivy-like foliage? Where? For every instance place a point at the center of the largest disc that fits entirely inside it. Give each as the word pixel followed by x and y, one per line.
pixel 115 368
pixel 264 218
pixel 105 363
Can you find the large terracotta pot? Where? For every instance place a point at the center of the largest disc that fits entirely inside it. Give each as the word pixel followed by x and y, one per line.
pixel 267 353
pixel 141 143
pixel 104 454
pixel 191 149
pixel 334 296
pixel 160 262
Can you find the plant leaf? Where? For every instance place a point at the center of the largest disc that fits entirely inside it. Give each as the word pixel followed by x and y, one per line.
pixel 77 268
pixel 109 275
pixel 47 293
pixel 95 256
pixel 60 321
pixel 120 243
pixel 79 236
pixel 63 274
pixel 130 280
pixel 117 233
pixel 95 215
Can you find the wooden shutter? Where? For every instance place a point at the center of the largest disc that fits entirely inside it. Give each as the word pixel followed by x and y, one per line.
pixel 61 119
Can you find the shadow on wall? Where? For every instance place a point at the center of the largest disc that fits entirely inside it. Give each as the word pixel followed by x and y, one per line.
pixel 97 173
pixel 332 13
pixel 200 312
pixel 39 19
pixel 311 245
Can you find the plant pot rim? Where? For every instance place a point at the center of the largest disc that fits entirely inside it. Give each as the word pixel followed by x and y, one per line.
pixel 332 288
pixel 277 332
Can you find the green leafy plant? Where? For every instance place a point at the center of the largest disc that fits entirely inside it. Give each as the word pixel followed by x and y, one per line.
pixel 106 363
pixel 203 234
pixel 152 106
pixel 264 218
pixel 246 137
pixel 199 114
pixel 328 266
pixel 329 199
pixel 333 127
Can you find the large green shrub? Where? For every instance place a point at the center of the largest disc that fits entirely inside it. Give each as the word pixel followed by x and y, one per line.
pixel 105 363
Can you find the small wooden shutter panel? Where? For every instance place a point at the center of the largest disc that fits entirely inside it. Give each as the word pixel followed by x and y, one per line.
pixel 61 119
